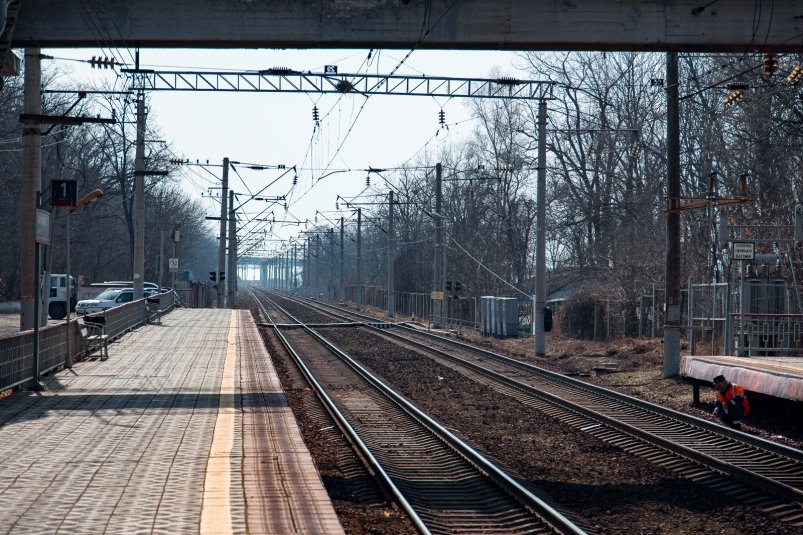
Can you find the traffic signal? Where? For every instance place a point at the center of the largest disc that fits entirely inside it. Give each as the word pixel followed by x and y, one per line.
pixel 769 65
pixel 213 276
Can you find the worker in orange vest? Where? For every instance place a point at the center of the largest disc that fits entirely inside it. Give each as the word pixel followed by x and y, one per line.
pixel 732 404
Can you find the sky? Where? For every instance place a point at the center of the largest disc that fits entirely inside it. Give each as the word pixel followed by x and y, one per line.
pixel 270 129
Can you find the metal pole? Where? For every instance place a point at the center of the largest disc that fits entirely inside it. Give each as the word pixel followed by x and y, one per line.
pixel 175 239
pixel 342 265
pixel 231 283
pixel 68 357
pixel 539 334
pixel 359 258
pixel 139 201
pixel 31 184
pixel 331 288
pixel 160 280
pixel 437 282
pixel 221 254
pixel 317 285
pixel 391 259
pixel 671 366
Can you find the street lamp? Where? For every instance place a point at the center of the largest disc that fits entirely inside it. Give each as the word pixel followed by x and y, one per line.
pixel 90 197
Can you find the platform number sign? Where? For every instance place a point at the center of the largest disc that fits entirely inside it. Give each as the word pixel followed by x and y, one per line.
pixel 63 192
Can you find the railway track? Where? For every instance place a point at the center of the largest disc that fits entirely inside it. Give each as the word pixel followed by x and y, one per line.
pixel 444 485
pixel 760 473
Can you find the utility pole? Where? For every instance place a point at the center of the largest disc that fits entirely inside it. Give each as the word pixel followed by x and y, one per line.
pixel 31 186
pixel 175 237
pixel 160 278
pixel 359 258
pixel 221 253
pixel 437 282
pixel 391 258
pixel 231 284
pixel 342 265
pixel 331 292
pixel 139 201
pixel 539 302
pixel 672 318
pixel 294 268
pixel 317 285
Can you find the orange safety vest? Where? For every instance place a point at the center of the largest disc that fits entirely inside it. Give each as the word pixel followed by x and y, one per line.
pixel 731 392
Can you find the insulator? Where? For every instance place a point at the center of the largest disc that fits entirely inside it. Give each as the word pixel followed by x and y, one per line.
pixel 442 117
pixel 795 75
pixel 769 65
pixel 368 180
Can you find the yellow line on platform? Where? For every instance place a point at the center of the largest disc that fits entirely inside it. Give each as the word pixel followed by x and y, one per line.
pixel 216 505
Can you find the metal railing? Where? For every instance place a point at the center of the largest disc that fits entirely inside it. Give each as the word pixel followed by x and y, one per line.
pixel 765 335
pixel 16 352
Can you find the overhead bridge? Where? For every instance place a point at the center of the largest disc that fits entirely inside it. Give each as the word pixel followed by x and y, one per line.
pixel 646 25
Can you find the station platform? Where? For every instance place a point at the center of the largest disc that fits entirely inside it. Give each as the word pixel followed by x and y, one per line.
pixel 184 429
pixel 779 377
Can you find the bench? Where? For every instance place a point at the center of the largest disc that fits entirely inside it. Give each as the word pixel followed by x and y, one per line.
pixel 95 338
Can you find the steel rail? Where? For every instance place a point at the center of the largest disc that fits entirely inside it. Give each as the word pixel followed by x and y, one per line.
pixel 749 476
pixel 538 507
pixel 349 431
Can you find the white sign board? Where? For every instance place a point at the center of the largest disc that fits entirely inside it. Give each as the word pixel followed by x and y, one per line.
pixel 744 250
pixel 42 234
pixel 172 263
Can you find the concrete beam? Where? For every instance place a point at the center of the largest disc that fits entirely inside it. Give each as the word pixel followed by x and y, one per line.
pixel 646 25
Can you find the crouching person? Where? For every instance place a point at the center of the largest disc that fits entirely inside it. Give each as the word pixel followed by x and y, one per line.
pixel 732 404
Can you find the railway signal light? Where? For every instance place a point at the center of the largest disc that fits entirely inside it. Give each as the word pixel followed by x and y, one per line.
pixel 222 275
pixel 769 65
pixel 213 276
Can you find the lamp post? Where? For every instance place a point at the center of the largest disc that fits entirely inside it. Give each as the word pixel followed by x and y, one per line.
pixel 90 197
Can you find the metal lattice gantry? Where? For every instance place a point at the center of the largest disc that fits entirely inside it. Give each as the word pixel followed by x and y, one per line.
pixel 287 81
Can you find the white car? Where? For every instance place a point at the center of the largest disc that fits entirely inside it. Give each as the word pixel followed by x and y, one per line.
pixel 105 300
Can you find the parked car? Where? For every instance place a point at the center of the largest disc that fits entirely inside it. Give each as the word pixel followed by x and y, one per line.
pixel 105 300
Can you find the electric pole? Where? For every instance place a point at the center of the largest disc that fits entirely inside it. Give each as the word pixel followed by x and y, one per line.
pixel 221 254
pixel 391 258
pixel 231 283
pixel 359 258
pixel 539 302
pixel 672 318
pixel 139 201
pixel 437 283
